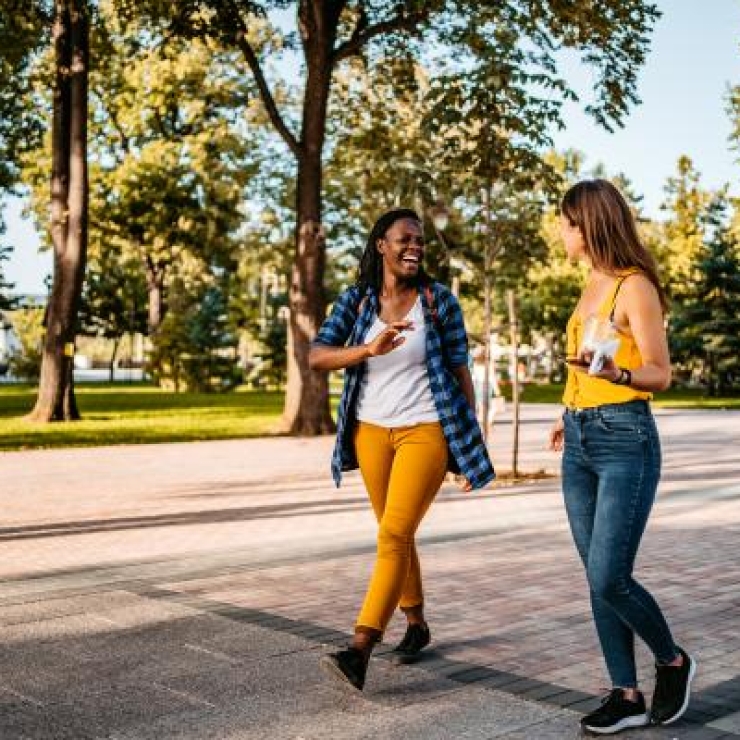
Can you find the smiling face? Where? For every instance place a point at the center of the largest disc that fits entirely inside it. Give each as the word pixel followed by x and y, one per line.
pixel 402 249
pixel 575 246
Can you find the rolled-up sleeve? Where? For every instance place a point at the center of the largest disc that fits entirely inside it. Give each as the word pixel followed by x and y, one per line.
pixel 452 331
pixel 337 327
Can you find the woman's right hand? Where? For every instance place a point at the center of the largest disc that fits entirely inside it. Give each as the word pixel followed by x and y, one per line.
pixel 389 338
pixel 556 435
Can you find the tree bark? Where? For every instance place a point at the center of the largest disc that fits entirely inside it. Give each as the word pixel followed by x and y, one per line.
pixel 514 327
pixel 155 295
pixel 69 200
pixel 307 395
pixel 112 361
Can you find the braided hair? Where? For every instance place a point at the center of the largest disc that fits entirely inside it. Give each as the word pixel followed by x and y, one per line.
pixel 370 273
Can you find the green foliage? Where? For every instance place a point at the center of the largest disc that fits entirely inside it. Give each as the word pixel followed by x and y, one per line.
pixel 29 329
pixel 24 30
pixel 684 233
pixel 113 297
pixel 180 100
pixel 705 326
pixel 195 348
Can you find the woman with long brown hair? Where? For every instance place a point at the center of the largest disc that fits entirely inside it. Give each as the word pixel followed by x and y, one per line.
pixel 618 356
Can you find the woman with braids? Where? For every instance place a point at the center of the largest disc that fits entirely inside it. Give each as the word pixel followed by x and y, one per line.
pixel 611 451
pixel 405 418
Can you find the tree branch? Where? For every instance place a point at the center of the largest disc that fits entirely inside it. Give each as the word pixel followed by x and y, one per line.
pixel 259 77
pixel 364 33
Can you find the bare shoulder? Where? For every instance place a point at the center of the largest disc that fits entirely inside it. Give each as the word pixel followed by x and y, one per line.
pixel 639 288
pixel 638 301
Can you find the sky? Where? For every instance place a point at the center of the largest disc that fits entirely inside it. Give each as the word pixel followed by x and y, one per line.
pixel 695 56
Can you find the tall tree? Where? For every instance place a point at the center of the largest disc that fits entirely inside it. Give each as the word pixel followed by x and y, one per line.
pixel 705 327
pixel 69 202
pixel 686 204
pixel 613 37
pixel 171 153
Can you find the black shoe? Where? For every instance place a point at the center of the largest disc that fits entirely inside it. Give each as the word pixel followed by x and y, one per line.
pixel 616 713
pixel 417 637
pixel 672 690
pixel 348 665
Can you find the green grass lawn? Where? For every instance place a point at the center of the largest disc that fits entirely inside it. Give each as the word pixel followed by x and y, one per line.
pixel 673 398
pixel 136 414
pixel 140 413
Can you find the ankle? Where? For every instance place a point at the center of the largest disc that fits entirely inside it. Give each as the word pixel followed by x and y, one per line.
pixel 414 614
pixel 365 640
pixel 632 694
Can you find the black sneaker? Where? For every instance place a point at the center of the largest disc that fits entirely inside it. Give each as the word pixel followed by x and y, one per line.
pixel 672 690
pixel 417 637
pixel 349 666
pixel 616 713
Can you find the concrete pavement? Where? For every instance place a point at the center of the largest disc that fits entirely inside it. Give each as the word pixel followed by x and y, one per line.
pixel 187 591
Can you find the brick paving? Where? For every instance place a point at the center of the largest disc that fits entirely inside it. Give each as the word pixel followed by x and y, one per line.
pixel 133 567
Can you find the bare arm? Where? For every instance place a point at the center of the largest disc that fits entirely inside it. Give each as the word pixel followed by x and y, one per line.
pixel 325 357
pixel 640 310
pixel 645 317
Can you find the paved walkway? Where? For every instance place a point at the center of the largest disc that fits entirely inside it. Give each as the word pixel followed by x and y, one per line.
pixel 187 591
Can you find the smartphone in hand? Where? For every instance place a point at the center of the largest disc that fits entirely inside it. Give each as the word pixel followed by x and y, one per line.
pixel 575 361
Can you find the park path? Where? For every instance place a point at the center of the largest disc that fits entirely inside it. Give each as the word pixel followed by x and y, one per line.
pixel 186 591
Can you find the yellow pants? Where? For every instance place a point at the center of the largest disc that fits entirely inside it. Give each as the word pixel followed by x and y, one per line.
pixel 403 469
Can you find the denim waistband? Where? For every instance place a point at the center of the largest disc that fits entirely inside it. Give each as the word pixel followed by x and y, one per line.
pixel 639 406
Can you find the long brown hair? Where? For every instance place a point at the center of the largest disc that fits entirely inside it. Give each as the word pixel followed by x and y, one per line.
pixel 609 231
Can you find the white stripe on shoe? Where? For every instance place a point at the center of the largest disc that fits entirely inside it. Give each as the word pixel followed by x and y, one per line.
pixel 636 720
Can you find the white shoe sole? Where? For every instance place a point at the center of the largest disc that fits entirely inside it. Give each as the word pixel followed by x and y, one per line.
pixel 636 720
pixel 685 705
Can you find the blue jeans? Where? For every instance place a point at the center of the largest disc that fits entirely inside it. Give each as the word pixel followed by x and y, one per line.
pixel 611 468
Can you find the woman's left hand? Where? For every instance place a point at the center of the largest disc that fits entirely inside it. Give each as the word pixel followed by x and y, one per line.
pixel 465 484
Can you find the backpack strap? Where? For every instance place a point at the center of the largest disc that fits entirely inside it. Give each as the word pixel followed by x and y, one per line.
pixel 429 294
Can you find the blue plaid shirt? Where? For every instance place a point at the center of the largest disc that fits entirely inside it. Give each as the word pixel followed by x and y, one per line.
pixel 446 349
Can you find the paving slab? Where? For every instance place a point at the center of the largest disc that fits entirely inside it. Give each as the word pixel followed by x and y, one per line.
pixel 188 591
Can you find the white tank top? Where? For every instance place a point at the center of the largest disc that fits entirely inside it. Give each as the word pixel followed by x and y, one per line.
pixel 395 390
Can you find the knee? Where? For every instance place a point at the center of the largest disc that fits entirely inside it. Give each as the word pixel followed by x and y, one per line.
pixel 394 540
pixel 610 587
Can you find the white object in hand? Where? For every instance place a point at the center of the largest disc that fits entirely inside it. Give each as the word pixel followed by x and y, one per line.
pixel 600 337
pixel 603 351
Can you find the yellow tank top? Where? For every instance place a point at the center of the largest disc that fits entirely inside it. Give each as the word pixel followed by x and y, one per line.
pixel 584 391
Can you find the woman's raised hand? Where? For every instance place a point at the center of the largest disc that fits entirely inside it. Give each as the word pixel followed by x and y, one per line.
pixel 389 338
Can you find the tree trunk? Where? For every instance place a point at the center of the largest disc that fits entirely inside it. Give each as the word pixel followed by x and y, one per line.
pixel 69 197
pixel 486 401
pixel 155 295
pixel 514 324
pixel 307 396
pixel 112 362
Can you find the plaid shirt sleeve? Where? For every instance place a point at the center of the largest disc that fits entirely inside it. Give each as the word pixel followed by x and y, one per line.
pixel 452 330
pixel 337 327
